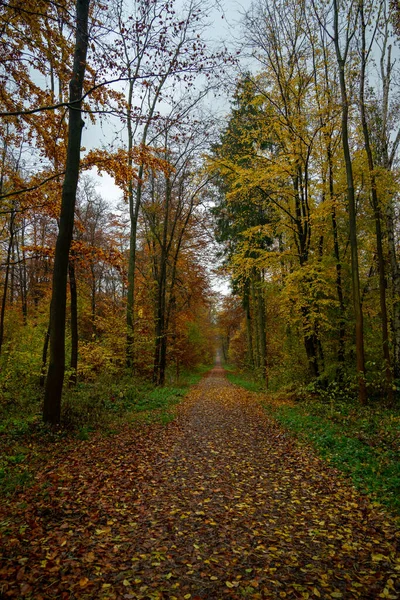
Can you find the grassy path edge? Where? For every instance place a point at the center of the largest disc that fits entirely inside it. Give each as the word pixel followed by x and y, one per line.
pixel 348 443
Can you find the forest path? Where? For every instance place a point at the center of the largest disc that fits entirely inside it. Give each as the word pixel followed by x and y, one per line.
pixel 221 503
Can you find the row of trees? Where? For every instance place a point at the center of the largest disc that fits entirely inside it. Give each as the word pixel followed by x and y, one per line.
pixel 304 180
pixel 146 67
pixel 307 185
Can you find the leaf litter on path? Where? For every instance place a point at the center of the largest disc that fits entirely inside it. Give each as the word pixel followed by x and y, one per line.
pixel 221 503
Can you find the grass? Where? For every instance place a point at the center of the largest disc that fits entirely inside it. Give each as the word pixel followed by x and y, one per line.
pixel 104 405
pixel 243 379
pixel 362 442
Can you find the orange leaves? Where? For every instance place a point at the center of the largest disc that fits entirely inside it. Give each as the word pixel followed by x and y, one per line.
pixel 88 252
pixel 120 164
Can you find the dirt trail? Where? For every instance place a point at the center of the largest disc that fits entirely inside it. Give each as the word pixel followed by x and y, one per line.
pixel 221 503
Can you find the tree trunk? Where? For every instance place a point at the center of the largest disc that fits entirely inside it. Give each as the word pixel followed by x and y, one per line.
pixel 256 335
pixel 74 323
pixel 42 379
pixel 93 298
pixel 261 319
pixel 247 310
pixel 395 276
pixel 377 215
pixel 6 277
pixel 310 344
pixel 360 359
pixel 386 160
pixel 339 284
pixel 55 375
pixel 160 355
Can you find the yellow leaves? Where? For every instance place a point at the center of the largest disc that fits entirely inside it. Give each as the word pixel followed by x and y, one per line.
pixel 389 590
pixel 378 557
pixel 103 531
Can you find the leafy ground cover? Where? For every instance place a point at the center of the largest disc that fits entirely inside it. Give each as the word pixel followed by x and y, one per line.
pixel 362 441
pixel 219 503
pixel 102 406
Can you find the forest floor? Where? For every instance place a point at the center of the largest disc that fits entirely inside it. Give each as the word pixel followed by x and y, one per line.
pixel 220 503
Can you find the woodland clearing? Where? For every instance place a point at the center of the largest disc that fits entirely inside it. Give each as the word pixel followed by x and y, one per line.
pixel 219 503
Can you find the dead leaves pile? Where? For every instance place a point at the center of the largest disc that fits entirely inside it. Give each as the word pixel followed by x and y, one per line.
pixel 219 504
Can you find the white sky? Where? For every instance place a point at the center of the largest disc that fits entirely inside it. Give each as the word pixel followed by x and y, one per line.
pixel 224 27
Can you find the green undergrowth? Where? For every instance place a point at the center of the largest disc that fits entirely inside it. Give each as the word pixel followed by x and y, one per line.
pixel 104 406
pixel 361 441
pixel 243 379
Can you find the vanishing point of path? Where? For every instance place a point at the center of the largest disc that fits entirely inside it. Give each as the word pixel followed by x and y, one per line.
pixel 221 503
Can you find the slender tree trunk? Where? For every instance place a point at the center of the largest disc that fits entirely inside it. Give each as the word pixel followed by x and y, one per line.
pixel 310 344
pixel 93 299
pixel 55 375
pixel 12 274
pixel 256 335
pixel 134 205
pixel 386 160
pixel 358 313
pixel 377 215
pixel 261 319
pixel 135 199
pixel 74 323
pixel 42 379
pixel 160 355
pixel 395 276
pixel 339 284
pixel 247 310
pixel 23 275
pixel 6 278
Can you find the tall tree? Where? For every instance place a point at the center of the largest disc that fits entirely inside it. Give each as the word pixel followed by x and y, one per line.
pixel 55 375
pixel 344 30
pixel 366 49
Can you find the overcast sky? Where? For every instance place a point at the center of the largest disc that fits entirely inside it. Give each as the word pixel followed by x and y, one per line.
pixel 224 27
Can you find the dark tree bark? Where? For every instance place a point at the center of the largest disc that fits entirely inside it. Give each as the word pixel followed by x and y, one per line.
pixel 339 284
pixel 355 277
pixel 23 274
pixel 55 375
pixel 377 212
pixel 261 322
pixel 160 351
pixel 247 310
pixel 45 350
pixel 74 323
pixel 389 141
pixel 6 278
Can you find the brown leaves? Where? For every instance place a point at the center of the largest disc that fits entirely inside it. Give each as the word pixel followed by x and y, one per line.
pixel 220 504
